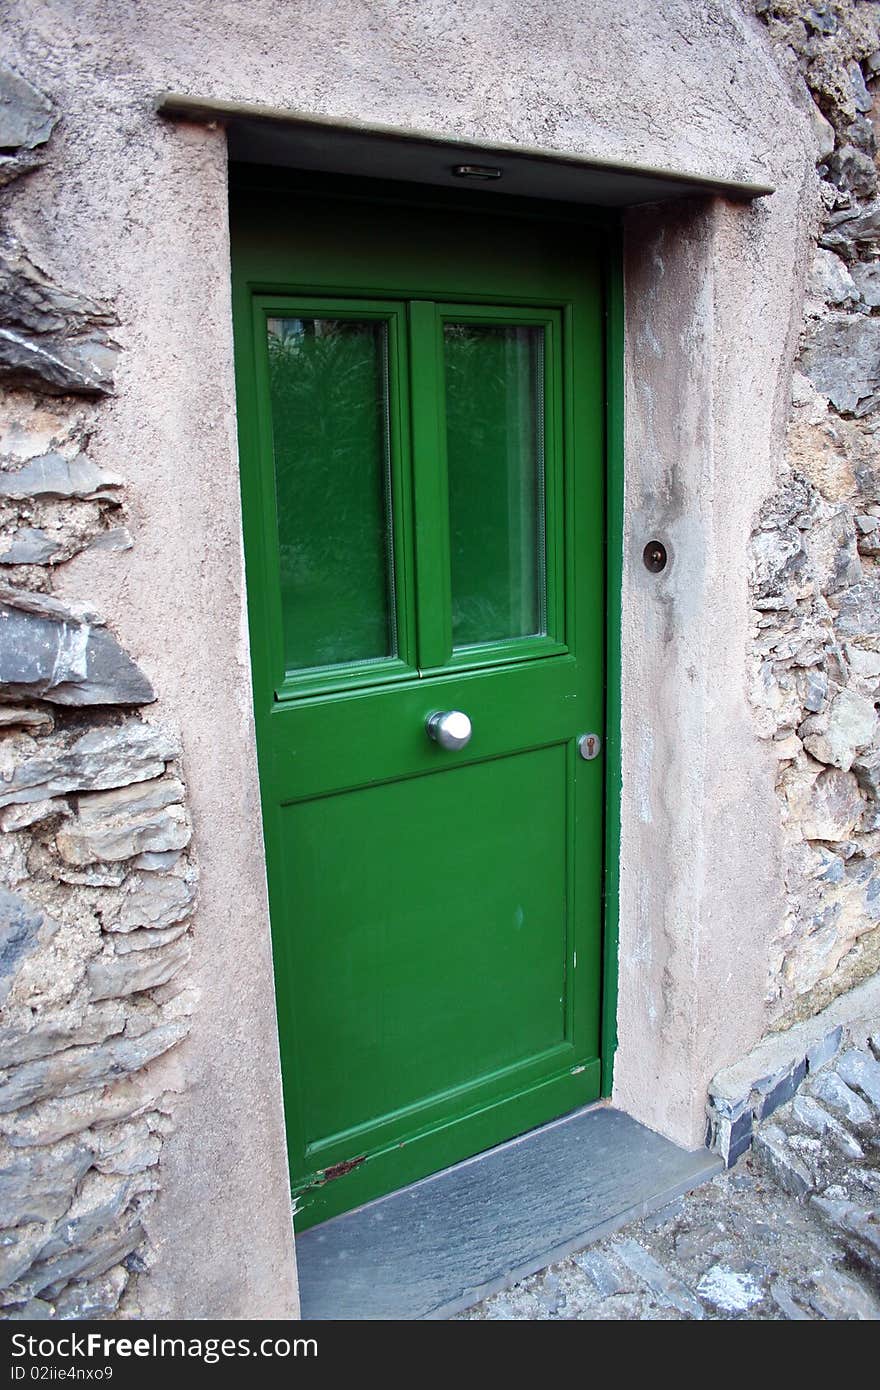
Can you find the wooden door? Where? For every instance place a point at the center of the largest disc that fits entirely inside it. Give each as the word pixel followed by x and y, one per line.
pixel 421 432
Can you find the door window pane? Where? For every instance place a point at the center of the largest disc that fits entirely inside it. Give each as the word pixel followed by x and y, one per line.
pixel 329 394
pixel 495 454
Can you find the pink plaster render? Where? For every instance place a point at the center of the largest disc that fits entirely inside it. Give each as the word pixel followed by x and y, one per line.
pixel 132 208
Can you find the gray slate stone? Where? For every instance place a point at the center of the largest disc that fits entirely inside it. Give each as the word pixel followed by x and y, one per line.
pixel 782 1297
pixel 14 818
pixel 838 1298
pixel 34 1310
pixel 860 1224
pixel 829 280
pixel 861 1072
pixel 858 608
pixel 157 863
pixel 121 837
pixel 30 717
pixel 53 475
pixel 51 340
pixel 822 1052
pixel 853 231
pixel 845 728
pixel 54 1119
pixel 55 1030
pixel 95 1298
pixel 854 170
pixel 114 976
pixel 867 770
pixel 784 1088
pixel 29 545
pixel 808 1112
pixel 38 1184
pixel 114 538
pixel 147 940
pixel 20 1247
pixel 102 758
pixel 128 1150
pixel 155 901
pixel 82 1068
pixel 49 651
pixel 842 359
pixel 98 1205
pixel 828 1087
pixel 866 277
pixel 600 1272
pixel 772 1146
pixel 22 927
pixel 730 1290
pixel 104 1251
pixel 835 806
pixel 661 1283
pixel 26 116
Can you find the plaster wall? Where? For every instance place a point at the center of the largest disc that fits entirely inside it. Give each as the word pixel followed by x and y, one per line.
pixel 132 208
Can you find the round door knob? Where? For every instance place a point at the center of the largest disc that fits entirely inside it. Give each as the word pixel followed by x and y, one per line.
pixel 450 729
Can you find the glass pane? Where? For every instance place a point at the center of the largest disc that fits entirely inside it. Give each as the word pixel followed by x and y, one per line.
pixel 495 450
pixel 329 392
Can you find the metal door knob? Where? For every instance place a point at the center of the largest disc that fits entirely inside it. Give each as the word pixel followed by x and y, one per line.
pixel 450 729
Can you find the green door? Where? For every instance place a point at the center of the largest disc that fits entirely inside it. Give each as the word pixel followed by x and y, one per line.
pixel 421 431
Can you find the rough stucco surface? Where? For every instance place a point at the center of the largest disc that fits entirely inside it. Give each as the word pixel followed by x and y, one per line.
pixel 131 209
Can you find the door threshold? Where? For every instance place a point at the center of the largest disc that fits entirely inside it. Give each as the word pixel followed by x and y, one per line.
pixel 437 1247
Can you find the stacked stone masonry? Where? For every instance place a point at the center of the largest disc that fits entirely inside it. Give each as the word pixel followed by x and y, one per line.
pixel 97 885
pixel 815 663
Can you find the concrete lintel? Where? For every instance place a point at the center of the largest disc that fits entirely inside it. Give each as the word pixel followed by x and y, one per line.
pixel 297 139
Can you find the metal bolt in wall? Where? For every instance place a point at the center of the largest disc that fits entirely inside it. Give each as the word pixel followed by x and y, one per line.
pixel 655 557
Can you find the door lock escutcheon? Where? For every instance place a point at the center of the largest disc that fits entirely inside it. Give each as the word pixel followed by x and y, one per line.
pixel 589 746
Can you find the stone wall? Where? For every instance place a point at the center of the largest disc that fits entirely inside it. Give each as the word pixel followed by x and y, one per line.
pixel 816 551
pixel 97 884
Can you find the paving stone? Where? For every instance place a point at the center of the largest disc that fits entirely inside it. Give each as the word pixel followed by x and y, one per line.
pixel 740 1244
pixel 808 1112
pixel 733 1291
pixel 830 1088
pixel 861 1072
pixel 860 1224
pixel 791 1311
pixel 659 1280
pixel 839 1297
pixel 772 1146
pixel 670 1212
pixel 600 1272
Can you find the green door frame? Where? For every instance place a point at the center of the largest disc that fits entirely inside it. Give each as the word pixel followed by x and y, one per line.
pixel 608 224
